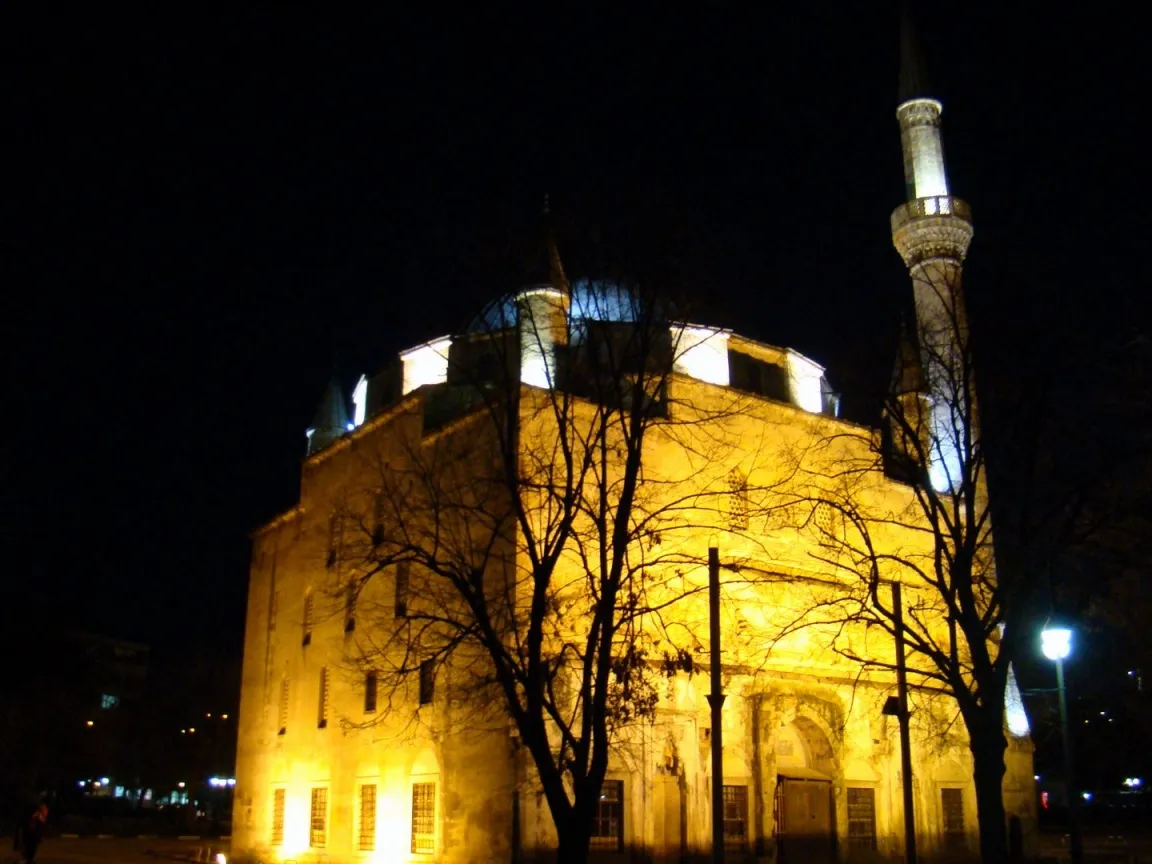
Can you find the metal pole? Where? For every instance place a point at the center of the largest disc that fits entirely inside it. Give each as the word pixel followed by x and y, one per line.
pixel 716 700
pixel 1075 840
pixel 905 738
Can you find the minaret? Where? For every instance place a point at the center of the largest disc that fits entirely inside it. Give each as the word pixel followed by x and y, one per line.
pixel 931 231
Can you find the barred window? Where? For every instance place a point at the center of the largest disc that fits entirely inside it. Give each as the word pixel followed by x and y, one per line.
pixel 861 819
pixel 322 700
pixel 318 824
pixel 735 818
pixel 427 682
pixel 423 818
pixel 737 501
pixel 401 605
pixel 952 805
pixel 608 823
pixel 309 604
pixel 335 537
pixel 350 607
pixel 367 838
pixel 283 707
pixel 278 817
pixel 370 693
pixel 378 528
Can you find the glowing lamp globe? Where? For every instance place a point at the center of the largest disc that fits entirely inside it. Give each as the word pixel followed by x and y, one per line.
pixel 1056 642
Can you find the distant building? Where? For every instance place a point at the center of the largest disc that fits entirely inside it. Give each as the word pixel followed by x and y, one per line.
pixel 811 769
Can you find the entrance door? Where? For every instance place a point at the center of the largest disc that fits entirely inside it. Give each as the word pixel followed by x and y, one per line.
pixel 668 823
pixel 804 820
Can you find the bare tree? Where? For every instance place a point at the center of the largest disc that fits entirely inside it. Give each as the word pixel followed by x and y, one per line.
pixel 537 523
pixel 965 620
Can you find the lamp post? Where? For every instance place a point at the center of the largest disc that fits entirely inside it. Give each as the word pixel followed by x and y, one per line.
pixel 1056 643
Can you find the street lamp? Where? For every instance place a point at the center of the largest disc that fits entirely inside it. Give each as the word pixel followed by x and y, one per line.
pixel 1056 643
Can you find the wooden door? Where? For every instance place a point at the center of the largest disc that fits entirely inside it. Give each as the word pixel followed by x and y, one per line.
pixel 804 821
pixel 669 846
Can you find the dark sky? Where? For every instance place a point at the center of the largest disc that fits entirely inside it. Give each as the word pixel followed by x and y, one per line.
pixel 209 210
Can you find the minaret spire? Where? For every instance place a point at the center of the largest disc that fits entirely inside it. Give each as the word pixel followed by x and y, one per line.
pixel 913 80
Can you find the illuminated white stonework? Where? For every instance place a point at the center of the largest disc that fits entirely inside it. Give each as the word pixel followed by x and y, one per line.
pixel 923 151
pixel 426 364
pixel 702 353
pixel 543 322
pixel 360 401
pixel 1014 712
pixel 805 381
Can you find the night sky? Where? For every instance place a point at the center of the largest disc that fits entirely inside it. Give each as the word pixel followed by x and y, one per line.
pixel 211 212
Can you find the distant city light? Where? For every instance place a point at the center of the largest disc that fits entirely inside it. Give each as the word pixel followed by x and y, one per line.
pixel 207 715
pixel 81 783
pixel 180 785
pixel 224 716
pixel 1087 796
pixel 183 731
pixel 350 426
pixel 1035 776
pixel 1133 782
pixel 89 723
pixel 191 729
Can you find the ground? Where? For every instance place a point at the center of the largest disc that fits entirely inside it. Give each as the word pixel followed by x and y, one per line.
pixel 86 850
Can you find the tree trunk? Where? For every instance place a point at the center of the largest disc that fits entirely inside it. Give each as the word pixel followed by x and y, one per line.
pixel 988 747
pixel 573 845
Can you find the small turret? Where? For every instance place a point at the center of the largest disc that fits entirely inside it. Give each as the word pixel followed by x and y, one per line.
pixel 331 420
pixel 543 315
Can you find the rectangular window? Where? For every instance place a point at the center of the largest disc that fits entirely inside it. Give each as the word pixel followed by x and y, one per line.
pixel 366 841
pixel 608 823
pixel 278 817
pixel 402 589
pixel 350 607
pixel 318 823
pixel 952 805
pixel 309 604
pixel 861 820
pixel 283 707
pixel 322 700
pixel 427 682
pixel 107 700
pixel 423 818
pixel 370 693
pixel 735 818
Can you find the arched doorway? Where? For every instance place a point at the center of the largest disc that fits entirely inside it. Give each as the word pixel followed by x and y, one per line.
pixel 804 809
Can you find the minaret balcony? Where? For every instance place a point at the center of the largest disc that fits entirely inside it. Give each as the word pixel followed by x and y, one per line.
pixel 938 227
pixel 920 208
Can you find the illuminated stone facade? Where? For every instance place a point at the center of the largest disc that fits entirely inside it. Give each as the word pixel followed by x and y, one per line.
pixel 334 767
